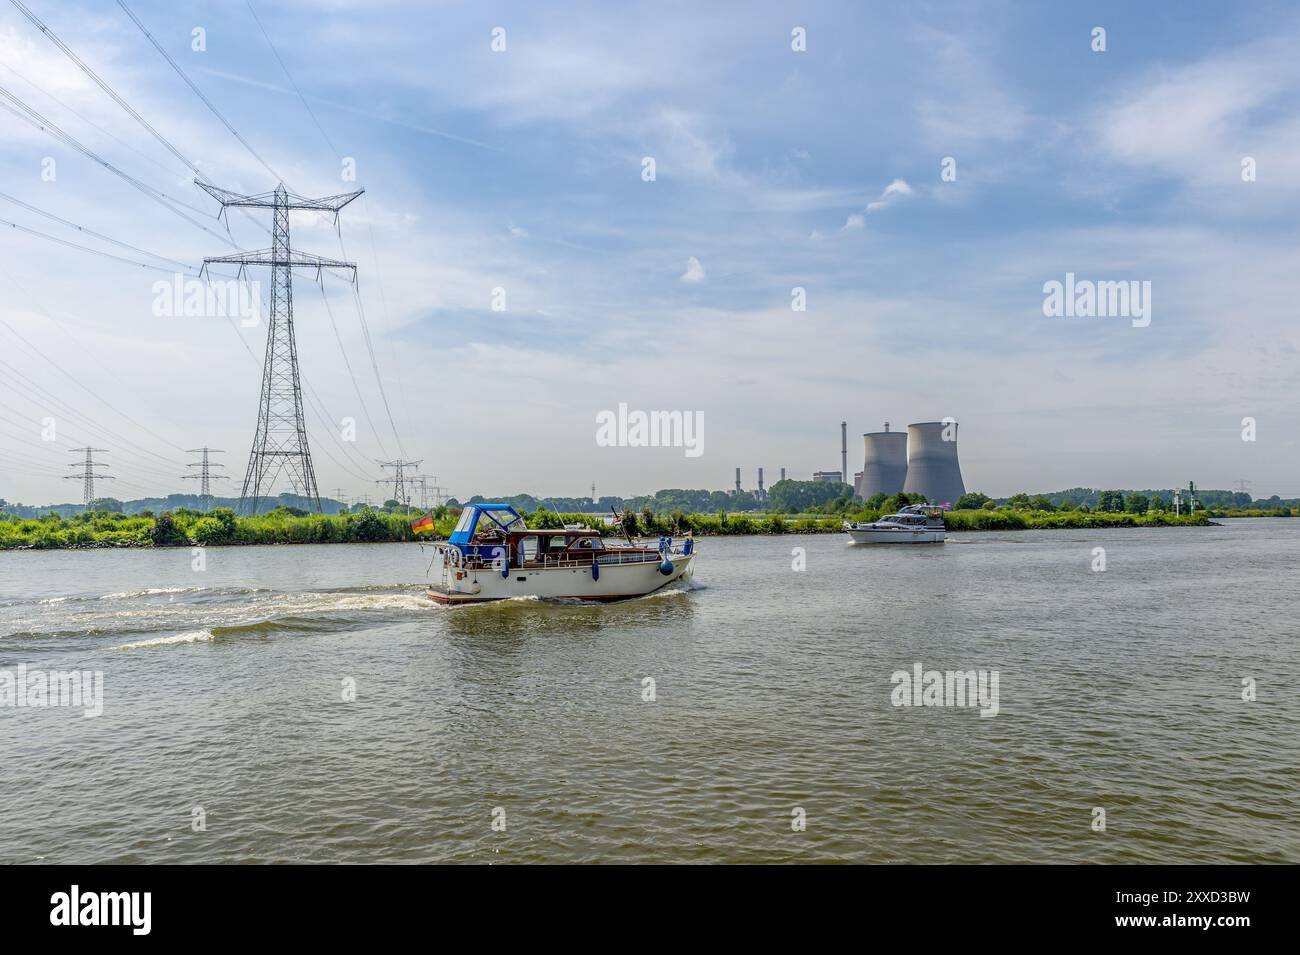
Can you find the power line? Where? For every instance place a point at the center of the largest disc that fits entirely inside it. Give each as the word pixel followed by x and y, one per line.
pixel 91 232
pixel 197 92
pixel 374 364
pixel 76 381
pixel 69 410
pixel 121 142
pixel 289 75
pixel 30 115
pixel 83 248
pixel 351 374
pixel 103 85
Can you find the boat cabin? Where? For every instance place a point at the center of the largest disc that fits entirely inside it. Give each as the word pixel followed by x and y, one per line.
pixel 917 515
pixel 495 535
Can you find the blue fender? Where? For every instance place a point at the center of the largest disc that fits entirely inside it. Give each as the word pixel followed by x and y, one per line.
pixel 595 569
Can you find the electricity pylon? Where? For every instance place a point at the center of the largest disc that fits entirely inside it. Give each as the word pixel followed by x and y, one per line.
pixel 437 496
pixel 88 473
pixel 205 477
pixel 280 442
pixel 399 480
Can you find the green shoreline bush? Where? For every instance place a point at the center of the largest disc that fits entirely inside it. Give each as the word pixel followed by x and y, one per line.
pixel 185 528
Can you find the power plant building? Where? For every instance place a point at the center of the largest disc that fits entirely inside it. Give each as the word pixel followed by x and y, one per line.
pixel 919 461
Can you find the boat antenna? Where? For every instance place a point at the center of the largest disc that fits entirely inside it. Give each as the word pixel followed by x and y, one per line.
pixel 621 522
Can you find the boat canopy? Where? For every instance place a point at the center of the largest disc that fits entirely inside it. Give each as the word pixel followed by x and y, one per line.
pixel 502 515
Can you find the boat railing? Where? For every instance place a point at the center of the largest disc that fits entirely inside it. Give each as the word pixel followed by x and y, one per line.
pixel 492 556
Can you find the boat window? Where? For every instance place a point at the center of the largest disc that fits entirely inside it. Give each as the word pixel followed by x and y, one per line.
pixel 466 517
pixel 526 549
pixel 588 543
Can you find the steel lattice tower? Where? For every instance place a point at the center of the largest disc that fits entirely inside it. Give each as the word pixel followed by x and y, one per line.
pixel 280 443
pixel 88 474
pixel 205 477
pixel 400 480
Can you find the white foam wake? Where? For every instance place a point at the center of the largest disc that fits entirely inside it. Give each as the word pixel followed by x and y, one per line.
pixel 193 636
pixel 149 592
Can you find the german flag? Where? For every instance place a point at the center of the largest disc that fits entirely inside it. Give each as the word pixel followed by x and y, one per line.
pixel 424 523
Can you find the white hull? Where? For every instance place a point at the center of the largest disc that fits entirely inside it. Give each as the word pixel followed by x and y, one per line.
pixel 616 581
pixel 896 535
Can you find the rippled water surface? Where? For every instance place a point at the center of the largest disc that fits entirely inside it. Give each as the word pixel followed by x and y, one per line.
pixel 224 689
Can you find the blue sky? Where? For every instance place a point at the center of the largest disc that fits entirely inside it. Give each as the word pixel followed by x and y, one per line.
pixel 521 170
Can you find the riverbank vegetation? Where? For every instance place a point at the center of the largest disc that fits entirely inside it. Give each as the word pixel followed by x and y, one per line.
pixel 286 525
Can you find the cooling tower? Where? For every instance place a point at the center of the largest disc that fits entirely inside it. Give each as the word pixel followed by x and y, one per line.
pixel 932 467
pixel 884 466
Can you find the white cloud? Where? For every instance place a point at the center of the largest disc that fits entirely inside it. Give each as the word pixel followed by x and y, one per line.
pixel 896 189
pixel 1196 122
pixel 856 221
pixel 694 271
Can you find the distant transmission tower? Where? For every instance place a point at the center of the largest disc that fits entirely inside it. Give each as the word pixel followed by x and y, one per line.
pixel 1242 485
pixel 205 477
pixel 400 480
pixel 88 474
pixel 422 482
pixel 439 493
pixel 281 439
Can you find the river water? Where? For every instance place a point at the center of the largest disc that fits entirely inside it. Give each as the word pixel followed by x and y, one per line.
pixel 522 732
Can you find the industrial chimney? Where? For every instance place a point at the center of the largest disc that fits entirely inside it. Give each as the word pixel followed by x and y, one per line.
pixel 884 463
pixel 844 451
pixel 737 480
pixel 760 482
pixel 932 467
pixel 783 474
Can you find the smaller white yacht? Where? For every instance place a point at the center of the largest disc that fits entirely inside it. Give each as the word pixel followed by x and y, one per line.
pixel 914 524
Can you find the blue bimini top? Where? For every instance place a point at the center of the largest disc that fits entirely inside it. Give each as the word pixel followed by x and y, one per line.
pixel 502 515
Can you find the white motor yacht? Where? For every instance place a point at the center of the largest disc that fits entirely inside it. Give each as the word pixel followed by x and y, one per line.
pixel 914 524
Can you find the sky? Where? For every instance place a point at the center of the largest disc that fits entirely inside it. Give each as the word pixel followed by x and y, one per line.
pixel 523 170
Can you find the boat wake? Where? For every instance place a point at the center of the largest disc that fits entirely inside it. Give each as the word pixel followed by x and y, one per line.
pixel 200 614
pixel 194 636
